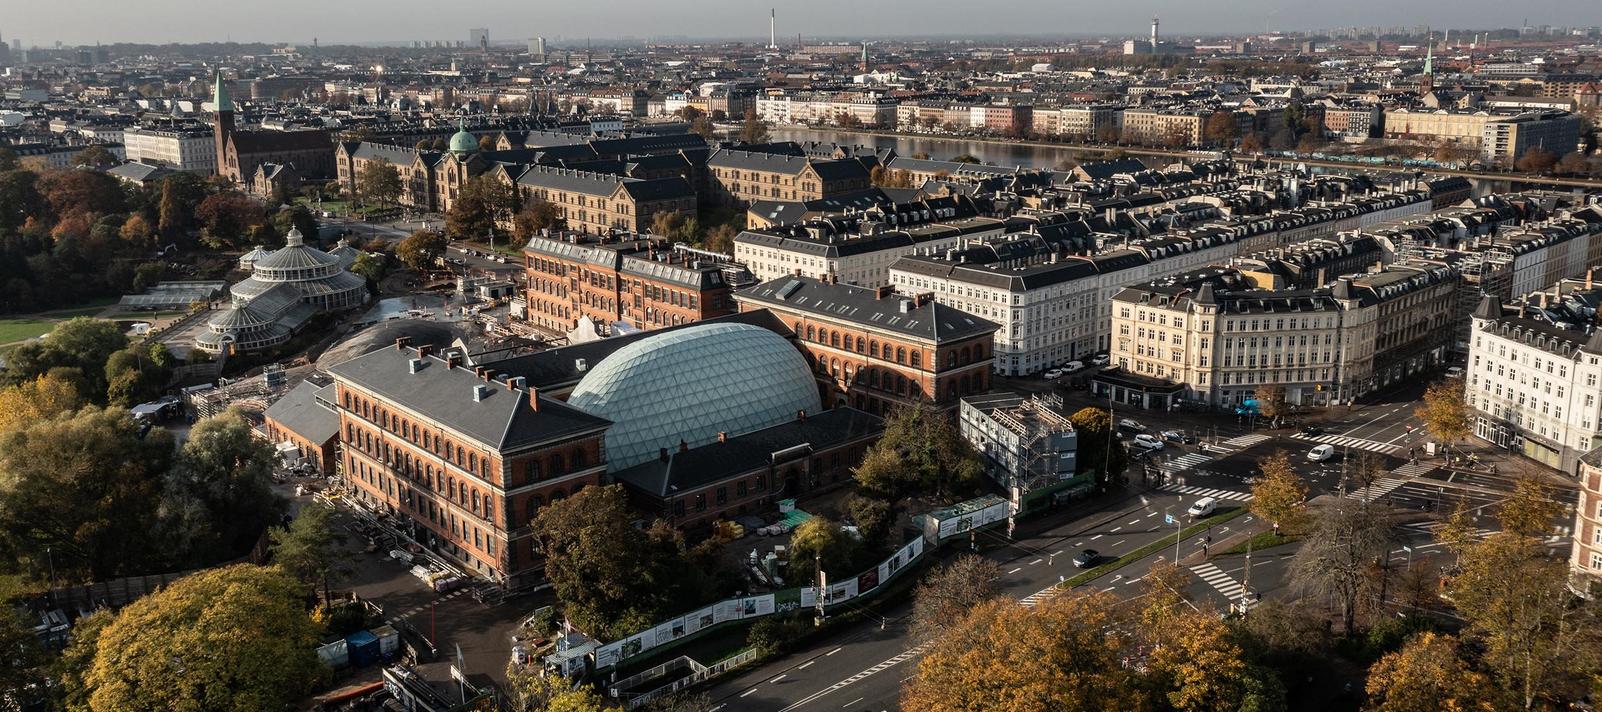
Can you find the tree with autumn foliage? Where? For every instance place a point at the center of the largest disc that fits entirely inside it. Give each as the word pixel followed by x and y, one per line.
pixel 1279 496
pixel 40 399
pixel 1066 654
pixel 1445 413
pixel 948 593
pixel 1428 675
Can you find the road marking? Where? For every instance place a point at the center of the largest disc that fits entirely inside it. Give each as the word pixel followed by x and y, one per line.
pixel 1115 530
pixel 1056 553
pixel 747 692
pixel 806 664
pixel 781 677
pixel 848 704
pixel 1036 561
pixel 881 667
pixel 1109 588
pixel 831 652
pixel 1153 514
pixel 1132 523
pixel 715 709
pixel 1133 580
pixel 1009 573
pixel 1098 536
pixel 1115 544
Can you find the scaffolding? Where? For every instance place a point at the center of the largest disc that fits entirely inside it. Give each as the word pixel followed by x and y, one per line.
pixel 255 393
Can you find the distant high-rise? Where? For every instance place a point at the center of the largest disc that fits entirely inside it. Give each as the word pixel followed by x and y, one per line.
pixel 773 28
pixel 536 48
pixel 479 37
pixel 1154 42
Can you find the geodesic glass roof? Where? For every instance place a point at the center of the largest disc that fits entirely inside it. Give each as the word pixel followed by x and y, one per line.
pixel 690 384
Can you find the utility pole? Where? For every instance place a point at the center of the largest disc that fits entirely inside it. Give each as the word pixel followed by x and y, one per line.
pixel 1246 578
pixel 823 587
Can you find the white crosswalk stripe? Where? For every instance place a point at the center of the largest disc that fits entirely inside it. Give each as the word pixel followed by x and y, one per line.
pixel 1220 581
pixel 1187 461
pixel 1208 492
pixel 1434 528
pixel 1244 441
pixel 1379 488
pixel 1354 443
pixel 1413 469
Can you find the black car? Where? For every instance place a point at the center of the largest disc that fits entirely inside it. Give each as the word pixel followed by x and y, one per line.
pixel 1311 430
pixel 1087 559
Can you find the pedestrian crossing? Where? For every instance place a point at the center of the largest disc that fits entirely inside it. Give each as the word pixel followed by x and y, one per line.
pixel 1039 597
pixel 419 609
pixel 1187 461
pixel 1383 486
pixel 1433 529
pixel 1413 469
pixel 1208 492
pixel 1220 581
pixel 1241 442
pixel 1354 443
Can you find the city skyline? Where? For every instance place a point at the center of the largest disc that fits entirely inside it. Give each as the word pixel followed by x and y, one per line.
pixel 365 22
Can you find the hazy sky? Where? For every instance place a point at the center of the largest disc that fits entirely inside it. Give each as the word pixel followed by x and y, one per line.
pixel 333 21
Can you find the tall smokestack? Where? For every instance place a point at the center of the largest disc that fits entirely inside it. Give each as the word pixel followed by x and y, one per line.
pixel 1154 34
pixel 773 28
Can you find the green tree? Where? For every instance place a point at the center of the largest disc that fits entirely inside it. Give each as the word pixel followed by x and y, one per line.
pixel 308 548
pixel 721 238
pixel 420 249
pixel 754 129
pixel 1098 450
pixel 966 158
pixel 179 193
pixel 920 453
pixel 78 491
pixel 8 159
pixel 537 215
pixel 133 377
pixel 820 541
pixel 947 594
pixel 1279 496
pixel 218 497
pixel 1198 666
pixel 298 217
pixel 96 157
pixel 235 638
pixel 482 201
pixel 1271 402
pixel 24 679
pixel 229 219
pixel 379 181
pixel 81 342
pixel 372 267
pixel 1533 509
pixel 1346 537
pixel 19 198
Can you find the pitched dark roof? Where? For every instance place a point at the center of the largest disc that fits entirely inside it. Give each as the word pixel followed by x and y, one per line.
pixel 502 419
pixel 896 313
pixel 300 412
pixel 742 454
pixel 247 142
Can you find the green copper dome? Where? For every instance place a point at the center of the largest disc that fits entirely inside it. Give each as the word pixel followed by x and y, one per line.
pixel 464 142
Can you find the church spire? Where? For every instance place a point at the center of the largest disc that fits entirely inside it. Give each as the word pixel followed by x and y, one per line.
pixel 219 95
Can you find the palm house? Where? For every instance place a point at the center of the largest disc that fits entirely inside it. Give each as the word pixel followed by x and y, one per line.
pixel 687 386
pixel 285 288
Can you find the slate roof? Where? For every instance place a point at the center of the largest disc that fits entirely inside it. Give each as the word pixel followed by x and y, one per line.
pixel 300 412
pixel 741 454
pixel 503 420
pixel 931 321
pixel 247 142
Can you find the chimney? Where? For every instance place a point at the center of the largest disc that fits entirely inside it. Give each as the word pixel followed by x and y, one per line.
pixel 684 446
pixel 533 397
pixel 723 436
pixel 480 392
pixel 452 360
pixel 402 342
pixel 1590 277
pixel 516 383
pixel 414 365
pixel 662 454
pixel 801 416
pixel 478 371
pixel 425 351
pixel 580 365
pixel 884 291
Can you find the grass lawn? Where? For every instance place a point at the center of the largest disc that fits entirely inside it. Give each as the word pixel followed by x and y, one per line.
pixel 23 328
pixel 1261 541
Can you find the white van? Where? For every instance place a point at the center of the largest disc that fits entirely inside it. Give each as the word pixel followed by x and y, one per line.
pixel 1320 453
pixel 1203 507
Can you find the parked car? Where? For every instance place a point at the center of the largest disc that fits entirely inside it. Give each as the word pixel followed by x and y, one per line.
pixel 1073 366
pixel 1054 374
pixel 1320 453
pixel 1148 442
pixel 1098 360
pixel 1087 559
pixel 1174 436
pixel 1131 424
pixel 1311 430
pixel 1454 372
pixel 1203 507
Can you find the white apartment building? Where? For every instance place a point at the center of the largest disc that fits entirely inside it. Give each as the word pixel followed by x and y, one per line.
pixel 863 257
pixel 194 151
pixel 1533 370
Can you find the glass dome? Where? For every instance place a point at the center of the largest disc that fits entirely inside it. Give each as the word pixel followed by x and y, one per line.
pixel 691 384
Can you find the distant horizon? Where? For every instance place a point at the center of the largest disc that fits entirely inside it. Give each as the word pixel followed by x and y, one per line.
pixel 398 23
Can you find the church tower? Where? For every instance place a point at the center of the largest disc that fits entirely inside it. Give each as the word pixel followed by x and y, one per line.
pixel 222 122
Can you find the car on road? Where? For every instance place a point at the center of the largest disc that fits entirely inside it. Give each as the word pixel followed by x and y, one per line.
pixel 1131 424
pixel 1098 360
pixel 1311 430
pixel 1054 374
pixel 1148 442
pixel 1320 453
pixel 1454 372
pixel 1203 507
pixel 1073 366
pixel 1174 436
pixel 1087 559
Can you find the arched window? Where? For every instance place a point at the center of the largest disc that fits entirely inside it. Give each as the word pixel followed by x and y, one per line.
pixel 579 459
pixel 917 359
pixel 834 338
pixel 901 355
pixel 873 349
pixel 966 359
pixel 533 470
pixel 859 344
pixel 951 359
pixel 448 450
pixel 812 334
pixel 556 496
pixel 556 465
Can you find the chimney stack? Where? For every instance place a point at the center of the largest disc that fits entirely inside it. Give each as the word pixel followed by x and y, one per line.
pixel 662 454
pixel 402 342
pixel 723 436
pixel 684 446
pixel 452 360
pixel 425 351
pixel 801 415
pixel 533 397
